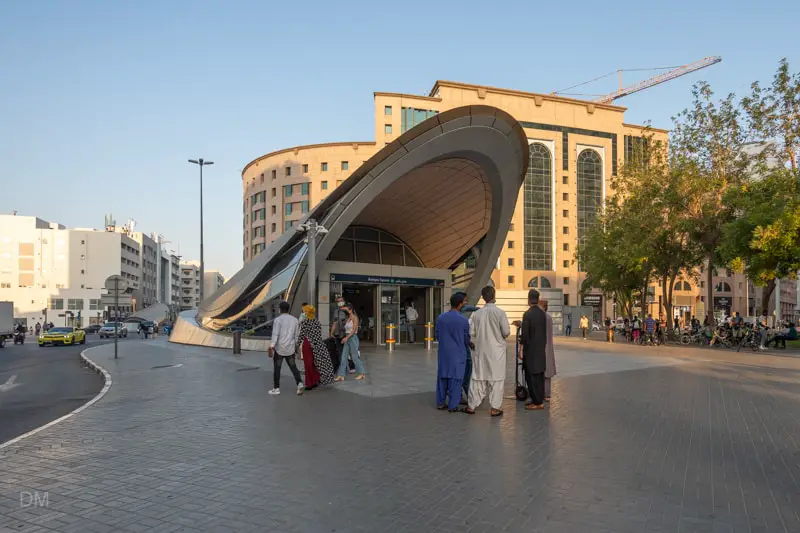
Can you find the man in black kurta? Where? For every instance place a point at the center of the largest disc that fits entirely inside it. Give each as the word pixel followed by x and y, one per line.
pixel 533 338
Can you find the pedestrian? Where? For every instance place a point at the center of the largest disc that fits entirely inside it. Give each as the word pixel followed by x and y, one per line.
pixel 452 332
pixel 636 328
pixel 316 359
pixel 337 331
pixel 650 328
pixel 350 345
pixel 38 328
pixel 533 338
pixel 550 368
pixel 411 322
pixel 584 324
pixel 284 336
pixel 488 331
pixel 609 330
pixel 763 322
pixel 468 368
pixel 568 325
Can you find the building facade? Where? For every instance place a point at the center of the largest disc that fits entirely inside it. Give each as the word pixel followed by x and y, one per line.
pixel 576 148
pixel 212 281
pixel 190 285
pixel 49 269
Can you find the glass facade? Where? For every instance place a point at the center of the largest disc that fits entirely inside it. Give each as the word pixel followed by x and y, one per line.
pixel 411 117
pixel 538 204
pixel 590 192
pixel 368 245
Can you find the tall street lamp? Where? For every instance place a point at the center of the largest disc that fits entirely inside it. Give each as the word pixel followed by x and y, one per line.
pixel 201 163
pixel 312 230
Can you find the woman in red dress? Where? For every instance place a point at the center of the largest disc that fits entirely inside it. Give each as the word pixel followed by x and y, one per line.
pixel 316 360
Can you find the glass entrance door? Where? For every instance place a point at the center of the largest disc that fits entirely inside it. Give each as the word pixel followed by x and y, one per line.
pixel 390 310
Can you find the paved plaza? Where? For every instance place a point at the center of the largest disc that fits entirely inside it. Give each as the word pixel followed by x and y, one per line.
pixel 635 440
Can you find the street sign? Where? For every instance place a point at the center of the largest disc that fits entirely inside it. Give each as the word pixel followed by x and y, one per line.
pixel 116 283
pixel 110 300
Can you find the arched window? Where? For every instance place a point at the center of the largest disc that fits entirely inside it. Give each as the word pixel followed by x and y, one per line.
pixel 360 244
pixel 590 191
pixel 682 286
pixel 539 282
pixel 538 204
pixel 722 287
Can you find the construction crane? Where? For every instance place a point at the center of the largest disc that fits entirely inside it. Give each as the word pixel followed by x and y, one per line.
pixel 675 72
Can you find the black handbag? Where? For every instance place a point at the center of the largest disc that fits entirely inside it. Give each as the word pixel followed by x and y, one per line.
pixel 520 391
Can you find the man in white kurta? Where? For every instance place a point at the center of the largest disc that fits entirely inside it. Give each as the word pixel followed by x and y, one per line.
pixel 489 330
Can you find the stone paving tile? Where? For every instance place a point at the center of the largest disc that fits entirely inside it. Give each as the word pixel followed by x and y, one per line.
pixel 631 445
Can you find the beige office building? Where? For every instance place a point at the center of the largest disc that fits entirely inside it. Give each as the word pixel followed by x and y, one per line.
pixel 576 147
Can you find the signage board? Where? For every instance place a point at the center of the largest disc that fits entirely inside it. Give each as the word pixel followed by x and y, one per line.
pixel 592 300
pixel 117 283
pixel 109 300
pixel 722 303
pixel 387 280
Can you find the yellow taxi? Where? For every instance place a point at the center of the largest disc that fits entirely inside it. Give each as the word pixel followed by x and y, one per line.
pixel 64 336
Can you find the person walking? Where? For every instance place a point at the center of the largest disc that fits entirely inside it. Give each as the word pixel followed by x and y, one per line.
pixel 411 322
pixel 350 345
pixel 568 325
pixel 316 359
pixel 550 368
pixel 452 332
pixel 337 331
pixel 468 368
pixel 488 331
pixel 38 328
pixel 609 330
pixel 584 324
pixel 533 339
pixel 650 329
pixel 284 336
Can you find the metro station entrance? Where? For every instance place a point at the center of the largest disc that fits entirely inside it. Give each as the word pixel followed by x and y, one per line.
pixel 389 302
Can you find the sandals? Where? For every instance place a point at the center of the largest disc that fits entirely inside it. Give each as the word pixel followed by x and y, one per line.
pixel 360 377
pixel 533 407
pixel 498 412
pixel 338 378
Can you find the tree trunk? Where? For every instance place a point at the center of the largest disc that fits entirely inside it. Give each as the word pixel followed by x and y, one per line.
pixel 664 283
pixel 670 289
pixel 766 294
pixel 710 290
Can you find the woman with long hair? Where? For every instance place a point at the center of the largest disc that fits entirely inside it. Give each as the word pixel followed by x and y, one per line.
pixel 350 346
pixel 316 359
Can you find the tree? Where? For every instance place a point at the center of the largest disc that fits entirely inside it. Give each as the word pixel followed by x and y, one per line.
pixel 762 240
pixel 707 151
pixel 650 185
pixel 613 257
pixel 774 115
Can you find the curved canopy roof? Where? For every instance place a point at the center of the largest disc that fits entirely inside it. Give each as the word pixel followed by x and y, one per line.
pixel 441 187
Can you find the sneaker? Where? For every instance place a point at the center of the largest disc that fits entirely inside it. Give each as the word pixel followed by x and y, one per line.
pixel 275 392
pixel 300 388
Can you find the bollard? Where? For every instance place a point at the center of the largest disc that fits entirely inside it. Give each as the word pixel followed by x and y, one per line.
pixel 237 342
pixel 429 336
pixel 390 337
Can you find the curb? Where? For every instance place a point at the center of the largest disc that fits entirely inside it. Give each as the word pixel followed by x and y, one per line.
pixel 106 386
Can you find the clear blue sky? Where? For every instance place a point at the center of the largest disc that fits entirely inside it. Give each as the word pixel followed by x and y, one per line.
pixel 102 102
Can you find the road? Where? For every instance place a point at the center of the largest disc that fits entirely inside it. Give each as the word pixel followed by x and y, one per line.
pixel 38 385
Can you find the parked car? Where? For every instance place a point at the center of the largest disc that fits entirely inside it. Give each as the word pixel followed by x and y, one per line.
pixel 107 331
pixel 65 336
pixel 91 329
pixel 596 326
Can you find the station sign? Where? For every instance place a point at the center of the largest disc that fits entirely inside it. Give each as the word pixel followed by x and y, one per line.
pixel 387 280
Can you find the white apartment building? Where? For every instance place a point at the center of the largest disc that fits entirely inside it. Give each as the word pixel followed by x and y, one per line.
pixel 57 274
pixel 190 285
pixel 48 269
pixel 212 281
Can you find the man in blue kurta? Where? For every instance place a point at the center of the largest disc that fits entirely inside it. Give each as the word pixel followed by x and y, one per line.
pixel 452 332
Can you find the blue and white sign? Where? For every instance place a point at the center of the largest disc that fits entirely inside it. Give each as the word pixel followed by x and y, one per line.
pixel 387 280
